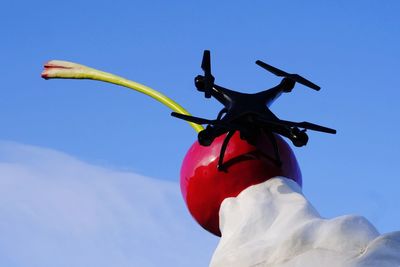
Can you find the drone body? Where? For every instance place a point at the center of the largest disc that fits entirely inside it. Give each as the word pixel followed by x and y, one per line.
pixel 249 114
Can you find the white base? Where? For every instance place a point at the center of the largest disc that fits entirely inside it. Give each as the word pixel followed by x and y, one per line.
pixel 272 224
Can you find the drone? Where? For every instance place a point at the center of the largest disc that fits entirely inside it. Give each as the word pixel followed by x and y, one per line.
pixel 249 114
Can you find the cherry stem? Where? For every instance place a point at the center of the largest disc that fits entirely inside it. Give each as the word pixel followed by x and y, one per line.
pixel 68 70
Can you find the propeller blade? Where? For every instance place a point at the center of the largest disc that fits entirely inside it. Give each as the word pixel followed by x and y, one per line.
pixel 272 69
pixel 208 78
pixel 281 73
pixel 304 124
pixel 310 126
pixel 303 81
pixel 196 120
pixel 206 63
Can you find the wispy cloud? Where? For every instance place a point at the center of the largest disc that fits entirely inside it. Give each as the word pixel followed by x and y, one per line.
pixel 56 210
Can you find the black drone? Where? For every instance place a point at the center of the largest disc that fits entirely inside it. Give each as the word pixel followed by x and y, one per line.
pixel 249 113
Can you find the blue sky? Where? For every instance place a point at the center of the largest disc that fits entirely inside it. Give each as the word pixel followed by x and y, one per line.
pixel 348 48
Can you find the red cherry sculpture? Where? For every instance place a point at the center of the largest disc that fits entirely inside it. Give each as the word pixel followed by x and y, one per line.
pixel 204 187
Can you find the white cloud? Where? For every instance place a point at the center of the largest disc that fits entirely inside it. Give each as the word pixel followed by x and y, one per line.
pixel 56 210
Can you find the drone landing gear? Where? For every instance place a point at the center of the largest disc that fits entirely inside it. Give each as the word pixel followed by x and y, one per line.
pixel 228 137
pixel 276 148
pixel 221 113
pixel 223 149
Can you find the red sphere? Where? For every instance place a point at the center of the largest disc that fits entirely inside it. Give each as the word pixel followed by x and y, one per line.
pixel 204 187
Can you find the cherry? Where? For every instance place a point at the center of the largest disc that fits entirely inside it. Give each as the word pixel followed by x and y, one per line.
pixel 204 186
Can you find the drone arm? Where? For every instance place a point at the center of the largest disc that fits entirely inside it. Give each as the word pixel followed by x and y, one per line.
pixel 270 95
pixel 222 95
pixel 286 85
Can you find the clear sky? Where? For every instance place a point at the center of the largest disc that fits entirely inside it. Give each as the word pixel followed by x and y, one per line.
pixel 349 48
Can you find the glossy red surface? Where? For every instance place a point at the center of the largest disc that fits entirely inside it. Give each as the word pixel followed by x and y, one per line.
pixel 204 187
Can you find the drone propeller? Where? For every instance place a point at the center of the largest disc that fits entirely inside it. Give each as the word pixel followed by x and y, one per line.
pixel 314 127
pixel 311 126
pixel 304 124
pixel 294 77
pixel 196 120
pixel 208 78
